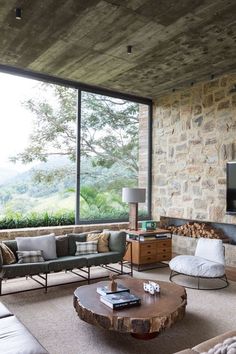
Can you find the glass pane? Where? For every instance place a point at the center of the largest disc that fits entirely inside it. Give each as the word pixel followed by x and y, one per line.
pixel 37 153
pixel 114 154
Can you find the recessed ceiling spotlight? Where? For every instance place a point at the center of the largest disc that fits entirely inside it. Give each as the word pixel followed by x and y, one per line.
pixel 233 90
pixel 18 13
pixel 129 49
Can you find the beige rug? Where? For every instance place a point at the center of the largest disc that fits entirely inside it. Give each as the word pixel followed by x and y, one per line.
pixel 53 320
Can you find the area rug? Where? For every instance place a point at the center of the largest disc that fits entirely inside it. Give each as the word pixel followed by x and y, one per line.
pixel 53 320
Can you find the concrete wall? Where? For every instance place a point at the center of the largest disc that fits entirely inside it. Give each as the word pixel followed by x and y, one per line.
pixel 194 135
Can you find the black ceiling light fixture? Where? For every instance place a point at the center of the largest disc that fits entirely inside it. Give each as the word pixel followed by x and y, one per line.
pixel 233 90
pixel 129 49
pixel 18 13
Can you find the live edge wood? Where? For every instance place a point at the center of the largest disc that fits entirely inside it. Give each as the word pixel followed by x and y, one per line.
pixel 155 313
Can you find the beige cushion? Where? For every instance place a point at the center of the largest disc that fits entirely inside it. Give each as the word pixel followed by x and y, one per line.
pixel 8 256
pixel 103 241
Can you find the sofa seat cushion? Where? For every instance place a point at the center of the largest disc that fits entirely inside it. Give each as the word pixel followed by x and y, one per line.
pixel 103 258
pixel 16 339
pixel 21 270
pixel 197 266
pixel 4 312
pixel 66 263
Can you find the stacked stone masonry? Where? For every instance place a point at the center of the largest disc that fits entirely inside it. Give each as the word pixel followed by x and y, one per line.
pixel 194 135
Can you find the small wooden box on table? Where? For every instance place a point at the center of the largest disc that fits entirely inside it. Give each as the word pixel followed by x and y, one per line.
pixel 148 249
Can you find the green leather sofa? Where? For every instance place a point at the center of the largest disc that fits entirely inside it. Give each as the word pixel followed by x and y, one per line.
pixel 68 262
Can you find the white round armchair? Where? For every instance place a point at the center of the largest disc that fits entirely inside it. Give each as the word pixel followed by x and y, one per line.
pixel 207 263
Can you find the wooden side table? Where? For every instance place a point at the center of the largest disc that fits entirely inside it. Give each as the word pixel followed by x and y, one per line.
pixel 145 249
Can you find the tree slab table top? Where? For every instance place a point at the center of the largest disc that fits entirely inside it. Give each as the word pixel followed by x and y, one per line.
pixel 156 312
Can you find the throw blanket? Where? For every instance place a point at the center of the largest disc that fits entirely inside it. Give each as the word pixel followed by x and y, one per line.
pixel 227 347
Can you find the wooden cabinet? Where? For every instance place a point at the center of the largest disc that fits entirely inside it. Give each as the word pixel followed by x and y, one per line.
pixel 149 251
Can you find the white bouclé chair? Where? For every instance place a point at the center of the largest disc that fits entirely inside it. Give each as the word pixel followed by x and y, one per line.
pixel 207 263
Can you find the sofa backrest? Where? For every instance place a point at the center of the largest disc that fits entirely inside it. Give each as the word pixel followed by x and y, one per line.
pixel 117 241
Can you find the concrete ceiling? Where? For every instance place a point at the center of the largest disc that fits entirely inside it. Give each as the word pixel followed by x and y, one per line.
pixel 174 42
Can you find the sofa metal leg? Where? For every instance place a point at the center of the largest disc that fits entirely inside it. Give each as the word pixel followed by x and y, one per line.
pixel 0 287
pixel 46 282
pixel 121 267
pixel 89 275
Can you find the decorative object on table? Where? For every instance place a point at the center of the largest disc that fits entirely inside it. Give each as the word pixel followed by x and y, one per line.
pixel 113 284
pixel 151 287
pixel 133 196
pixel 149 225
pixel 117 301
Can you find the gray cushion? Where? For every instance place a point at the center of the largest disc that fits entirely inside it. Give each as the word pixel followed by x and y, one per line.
pixel 30 256
pixel 80 237
pixel 46 243
pixel 16 339
pixel 66 263
pixel 88 247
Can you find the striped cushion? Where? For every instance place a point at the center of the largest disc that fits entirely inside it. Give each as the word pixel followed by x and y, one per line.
pixel 86 247
pixel 30 256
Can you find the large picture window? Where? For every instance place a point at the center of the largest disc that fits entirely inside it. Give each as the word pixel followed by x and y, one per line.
pixel 66 153
pixel 113 146
pixel 37 153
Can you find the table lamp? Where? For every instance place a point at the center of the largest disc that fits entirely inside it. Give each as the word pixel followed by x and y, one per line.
pixel 133 196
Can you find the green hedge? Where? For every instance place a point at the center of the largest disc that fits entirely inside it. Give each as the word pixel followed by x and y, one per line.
pixel 17 221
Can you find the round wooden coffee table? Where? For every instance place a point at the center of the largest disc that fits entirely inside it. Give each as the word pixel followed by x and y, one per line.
pixel 155 313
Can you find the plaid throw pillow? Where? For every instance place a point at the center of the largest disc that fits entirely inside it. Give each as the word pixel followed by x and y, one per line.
pixel 30 256
pixel 86 247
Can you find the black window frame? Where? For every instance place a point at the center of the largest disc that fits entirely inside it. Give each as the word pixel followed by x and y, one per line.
pixel 80 87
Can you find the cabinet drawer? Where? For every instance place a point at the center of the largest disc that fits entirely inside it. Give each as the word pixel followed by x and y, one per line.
pixel 148 259
pixel 163 250
pixel 163 257
pixel 147 249
pixel 164 243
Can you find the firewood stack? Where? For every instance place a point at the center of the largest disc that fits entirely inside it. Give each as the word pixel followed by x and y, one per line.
pixel 197 230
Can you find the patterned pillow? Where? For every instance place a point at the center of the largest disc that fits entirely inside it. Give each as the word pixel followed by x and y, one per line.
pixel 103 241
pixel 86 247
pixel 8 256
pixel 30 256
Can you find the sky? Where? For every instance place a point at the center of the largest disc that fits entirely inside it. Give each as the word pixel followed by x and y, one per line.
pixel 16 121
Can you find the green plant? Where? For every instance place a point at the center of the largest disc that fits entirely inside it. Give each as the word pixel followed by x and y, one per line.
pixel 17 220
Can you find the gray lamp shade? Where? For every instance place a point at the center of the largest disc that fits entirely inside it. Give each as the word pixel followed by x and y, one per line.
pixel 133 195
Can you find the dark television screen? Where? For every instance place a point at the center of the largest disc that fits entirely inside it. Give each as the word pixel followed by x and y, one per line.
pixel 231 187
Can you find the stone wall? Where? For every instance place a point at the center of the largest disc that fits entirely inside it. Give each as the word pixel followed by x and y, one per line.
pixel 58 230
pixel 194 135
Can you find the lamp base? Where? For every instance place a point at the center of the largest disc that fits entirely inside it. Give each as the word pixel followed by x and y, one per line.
pixel 133 216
